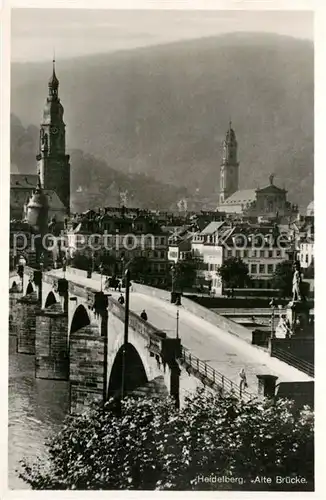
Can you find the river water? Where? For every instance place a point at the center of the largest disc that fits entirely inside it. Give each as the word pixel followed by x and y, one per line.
pixel 37 409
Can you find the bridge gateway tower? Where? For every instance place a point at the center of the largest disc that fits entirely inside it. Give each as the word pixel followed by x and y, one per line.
pixel 53 162
pixel 229 173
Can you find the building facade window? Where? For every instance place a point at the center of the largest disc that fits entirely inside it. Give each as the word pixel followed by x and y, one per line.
pixel 270 268
pixel 261 268
pixel 253 268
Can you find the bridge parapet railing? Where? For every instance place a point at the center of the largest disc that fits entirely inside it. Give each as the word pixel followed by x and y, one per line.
pixel 293 360
pixel 51 280
pixel 214 377
pixel 29 271
pixel 144 328
pixel 81 291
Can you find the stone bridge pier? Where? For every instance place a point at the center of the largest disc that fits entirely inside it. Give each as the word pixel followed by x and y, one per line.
pixel 77 334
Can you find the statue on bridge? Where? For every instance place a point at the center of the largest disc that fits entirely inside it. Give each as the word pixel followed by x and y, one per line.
pixel 297 283
pixel 298 308
pixel 283 329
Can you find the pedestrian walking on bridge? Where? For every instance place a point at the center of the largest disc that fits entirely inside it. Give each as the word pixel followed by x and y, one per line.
pixel 143 315
pixel 243 380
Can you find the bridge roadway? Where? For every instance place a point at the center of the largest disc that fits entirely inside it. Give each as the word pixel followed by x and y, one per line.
pixel 223 351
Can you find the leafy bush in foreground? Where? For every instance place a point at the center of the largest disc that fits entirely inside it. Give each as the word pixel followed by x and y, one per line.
pixel 151 445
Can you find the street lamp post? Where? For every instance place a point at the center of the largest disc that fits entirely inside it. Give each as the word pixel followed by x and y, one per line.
pixel 12 262
pixel 126 327
pixel 41 262
pixel 20 269
pixel 101 272
pixel 272 305
pixel 41 272
pixel 91 266
pixel 122 267
pixel 64 266
pixel 173 272
pixel 173 277
pixel 177 323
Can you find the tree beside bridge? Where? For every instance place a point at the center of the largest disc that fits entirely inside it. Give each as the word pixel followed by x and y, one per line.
pixel 147 444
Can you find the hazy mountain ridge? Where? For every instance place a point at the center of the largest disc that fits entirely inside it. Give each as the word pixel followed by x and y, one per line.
pixel 93 183
pixel 164 110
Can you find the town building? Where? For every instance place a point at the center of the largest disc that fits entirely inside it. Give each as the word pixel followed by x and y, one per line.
pixel 122 237
pixel 306 254
pixel 261 247
pixel 207 246
pixel 269 202
pixel 180 244
pixel 305 236
pixel 311 209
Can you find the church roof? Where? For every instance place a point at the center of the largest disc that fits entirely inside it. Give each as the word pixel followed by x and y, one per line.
pixel 53 81
pixel 230 134
pixel 212 227
pixel 271 188
pixel 242 196
pixel 23 180
pixel 20 195
pixel 38 199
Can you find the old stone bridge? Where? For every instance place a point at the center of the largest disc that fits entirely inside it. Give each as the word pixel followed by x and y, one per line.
pixel 76 333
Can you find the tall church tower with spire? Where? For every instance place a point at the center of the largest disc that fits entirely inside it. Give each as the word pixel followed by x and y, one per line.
pixel 229 174
pixel 53 162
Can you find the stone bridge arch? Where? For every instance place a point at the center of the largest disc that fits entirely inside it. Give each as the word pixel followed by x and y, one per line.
pixel 50 300
pixel 134 374
pixel 55 291
pixel 143 362
pixel 30 288
pixel 79 319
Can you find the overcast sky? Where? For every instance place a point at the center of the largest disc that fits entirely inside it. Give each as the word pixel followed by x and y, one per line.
pixel 36 33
